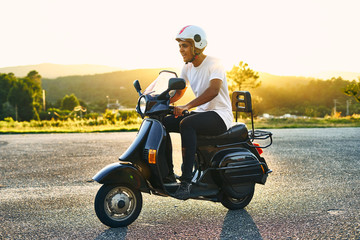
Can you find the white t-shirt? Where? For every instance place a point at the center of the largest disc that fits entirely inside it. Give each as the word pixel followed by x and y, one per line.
pixel 199 79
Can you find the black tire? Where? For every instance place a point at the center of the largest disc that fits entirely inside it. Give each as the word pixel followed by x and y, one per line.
pixel 118 205
pixel 236 203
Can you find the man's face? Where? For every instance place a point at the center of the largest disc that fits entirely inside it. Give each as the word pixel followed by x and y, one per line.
pixel 185 51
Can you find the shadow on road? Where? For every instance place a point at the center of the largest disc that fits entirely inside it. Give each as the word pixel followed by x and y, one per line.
pixel 113 233
pixel 238 224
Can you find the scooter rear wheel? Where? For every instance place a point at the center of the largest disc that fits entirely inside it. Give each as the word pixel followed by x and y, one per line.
pixel 236 203
pixel 118 205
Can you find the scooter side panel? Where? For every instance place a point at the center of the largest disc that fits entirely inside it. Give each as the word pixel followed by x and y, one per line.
pixel 155 141
pixel 140 137
pixel 239 165
pixel 121 173
pixel 156 135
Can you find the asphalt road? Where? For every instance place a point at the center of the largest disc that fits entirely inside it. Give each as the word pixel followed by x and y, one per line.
pixel 313 193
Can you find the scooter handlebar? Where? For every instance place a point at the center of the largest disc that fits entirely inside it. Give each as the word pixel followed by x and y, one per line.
pixel 171 111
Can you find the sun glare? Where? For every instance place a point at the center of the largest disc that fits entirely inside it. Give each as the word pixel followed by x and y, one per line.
pixel 280 37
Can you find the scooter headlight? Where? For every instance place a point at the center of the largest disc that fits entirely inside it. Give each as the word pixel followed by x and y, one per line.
pixel 142 104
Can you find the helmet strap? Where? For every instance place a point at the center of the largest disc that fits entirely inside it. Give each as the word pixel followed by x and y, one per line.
pixel 195 55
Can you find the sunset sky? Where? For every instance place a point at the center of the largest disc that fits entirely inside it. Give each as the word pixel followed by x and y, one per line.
pixel 281 37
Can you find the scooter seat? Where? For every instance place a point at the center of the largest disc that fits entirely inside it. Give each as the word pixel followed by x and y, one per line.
pixel 237 133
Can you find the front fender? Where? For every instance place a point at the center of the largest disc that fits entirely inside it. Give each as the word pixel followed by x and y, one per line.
pixel 121 173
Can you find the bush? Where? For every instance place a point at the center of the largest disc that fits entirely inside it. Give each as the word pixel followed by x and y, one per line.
pixel 110 116
pixel 8 119
pixel 124 115
pixel 57 114
pixel 92 116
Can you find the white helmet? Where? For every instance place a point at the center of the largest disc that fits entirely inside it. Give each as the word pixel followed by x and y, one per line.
pixel 194 33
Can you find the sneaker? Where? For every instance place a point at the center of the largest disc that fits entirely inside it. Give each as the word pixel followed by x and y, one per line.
pixel 183 192
pixel 170 178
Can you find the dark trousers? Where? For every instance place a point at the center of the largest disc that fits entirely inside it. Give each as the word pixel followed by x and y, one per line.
pixel 197 123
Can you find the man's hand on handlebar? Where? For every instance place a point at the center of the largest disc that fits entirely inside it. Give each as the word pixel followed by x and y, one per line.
pixel 180 110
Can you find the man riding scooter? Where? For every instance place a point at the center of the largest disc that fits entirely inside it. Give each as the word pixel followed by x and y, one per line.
pixel 227 164
pixel 213 116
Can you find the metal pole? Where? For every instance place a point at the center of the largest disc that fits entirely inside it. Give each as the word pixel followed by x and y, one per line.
pixel 44 103
pixel 16 112
pixel 347 107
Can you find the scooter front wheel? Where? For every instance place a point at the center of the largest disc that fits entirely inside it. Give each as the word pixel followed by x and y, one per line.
pixel 236 203
pixel 118 205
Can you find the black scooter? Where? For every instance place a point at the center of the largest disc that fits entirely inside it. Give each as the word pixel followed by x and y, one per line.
pixel 226 167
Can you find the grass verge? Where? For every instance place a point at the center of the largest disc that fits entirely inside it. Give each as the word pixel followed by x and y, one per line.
pixel 87 126
pixel 305 122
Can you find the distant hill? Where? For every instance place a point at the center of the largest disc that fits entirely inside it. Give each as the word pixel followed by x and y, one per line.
pixel 93 83
pixel 94 89
pixel 275 80
pixel 118 86
pixel 49 70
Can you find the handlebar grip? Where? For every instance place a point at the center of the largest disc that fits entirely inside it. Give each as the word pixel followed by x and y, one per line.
pixel 171 111
pixel 185 112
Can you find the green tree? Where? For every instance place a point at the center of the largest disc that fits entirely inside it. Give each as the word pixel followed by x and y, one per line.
pixel 6 83
pixel 353 90
pixel 20 97
pixel 242 77
pixel 69 102
pixel 33 80
pixel 314 98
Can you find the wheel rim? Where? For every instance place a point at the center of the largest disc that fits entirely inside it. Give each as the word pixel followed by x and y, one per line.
pixel 120 203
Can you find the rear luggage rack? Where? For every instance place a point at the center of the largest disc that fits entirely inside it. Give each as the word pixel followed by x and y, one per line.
pixel 260 135
pixel 241 102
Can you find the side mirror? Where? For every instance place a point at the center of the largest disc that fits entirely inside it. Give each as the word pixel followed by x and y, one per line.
pixel 176 84
pixel 137 86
